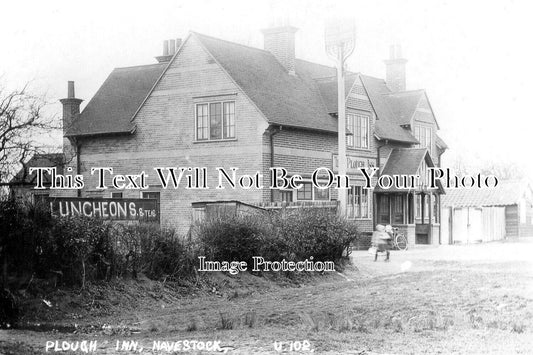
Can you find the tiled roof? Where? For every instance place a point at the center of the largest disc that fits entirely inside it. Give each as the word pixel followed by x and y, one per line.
pixel 405 161
pixel 39 160
pixel 387 125
pixel 114 104
pixel 284 99
pixel 504 194
pixel 328 90
pixel 403 104
pixel 305 100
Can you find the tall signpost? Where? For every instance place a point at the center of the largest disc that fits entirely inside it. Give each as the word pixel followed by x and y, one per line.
pixel 340 44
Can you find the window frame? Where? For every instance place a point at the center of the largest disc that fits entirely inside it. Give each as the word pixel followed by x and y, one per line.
pixel 313 193
pixel 418 129
pixel 358 197
pixel 223 115
pixel 354 124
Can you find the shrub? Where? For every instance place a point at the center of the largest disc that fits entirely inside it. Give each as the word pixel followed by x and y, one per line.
pixel 157 252
pixel 82 249
pixel 232 237
pixel 316 232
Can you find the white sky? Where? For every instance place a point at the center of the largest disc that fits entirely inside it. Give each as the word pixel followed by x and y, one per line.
pixel 475 59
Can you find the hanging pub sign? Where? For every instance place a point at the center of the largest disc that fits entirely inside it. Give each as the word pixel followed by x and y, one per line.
pixel 353 164
pixel 127 209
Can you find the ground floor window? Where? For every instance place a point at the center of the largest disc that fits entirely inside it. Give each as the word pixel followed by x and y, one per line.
pixel 305 192
pixel 116 194
pixel 153 195
pixel 282 196
pixel 358 205
pixel 434 208
pixel 397 209
pixel 384 209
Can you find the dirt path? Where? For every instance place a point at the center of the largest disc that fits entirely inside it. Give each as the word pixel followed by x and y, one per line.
pixel 456 299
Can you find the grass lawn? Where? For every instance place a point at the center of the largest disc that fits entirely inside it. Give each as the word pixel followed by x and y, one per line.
pixel 450 299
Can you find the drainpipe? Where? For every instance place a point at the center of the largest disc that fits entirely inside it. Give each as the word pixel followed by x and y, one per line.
pixel 379 156
pixel 374 195
pixel 272 130
pixel 78 162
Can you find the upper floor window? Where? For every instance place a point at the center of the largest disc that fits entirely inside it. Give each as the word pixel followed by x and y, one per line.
pixel 359 126
pixel 215 121
pixel 424 135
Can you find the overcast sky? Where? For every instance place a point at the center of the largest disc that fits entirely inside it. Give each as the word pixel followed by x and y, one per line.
pixel 474 58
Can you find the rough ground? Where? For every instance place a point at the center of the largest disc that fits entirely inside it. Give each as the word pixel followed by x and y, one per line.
pixel 450 299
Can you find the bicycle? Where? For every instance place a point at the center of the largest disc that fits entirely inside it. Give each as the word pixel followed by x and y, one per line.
pixel 399 241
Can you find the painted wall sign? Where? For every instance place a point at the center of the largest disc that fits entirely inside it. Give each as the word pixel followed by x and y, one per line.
pixel 106 208
pixel 353 164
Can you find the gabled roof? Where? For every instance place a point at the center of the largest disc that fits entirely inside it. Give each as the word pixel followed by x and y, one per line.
pixel 38 161
pixel 284 99
pixel 111 109
pixel 328 90
pixel 506 193
pixel 406 161
pixel 440 143
pixel 403 104
pixel 387 125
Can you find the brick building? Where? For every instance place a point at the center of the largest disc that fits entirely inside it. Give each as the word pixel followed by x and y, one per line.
pixel 209 103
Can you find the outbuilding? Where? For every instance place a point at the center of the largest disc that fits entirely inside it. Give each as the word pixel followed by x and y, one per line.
pixel 483 215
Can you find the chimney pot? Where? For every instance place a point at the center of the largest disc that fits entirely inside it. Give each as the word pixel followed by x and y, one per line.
pixel 165 47
pixel 70 91
pixel 395 69
pixel 171 47
pixel 71 110
pixel 391 52
pixel 178 43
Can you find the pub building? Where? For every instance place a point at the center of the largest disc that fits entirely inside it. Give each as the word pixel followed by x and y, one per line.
pixel 210 103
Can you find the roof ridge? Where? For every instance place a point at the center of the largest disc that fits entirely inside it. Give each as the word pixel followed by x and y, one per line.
pixel 230 42
pixel 404 92
pixel 348 72
pixel 140 66
pixel 372 77
pixel 410 148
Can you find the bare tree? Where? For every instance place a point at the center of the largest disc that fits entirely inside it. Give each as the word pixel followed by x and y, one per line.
pixel 22 122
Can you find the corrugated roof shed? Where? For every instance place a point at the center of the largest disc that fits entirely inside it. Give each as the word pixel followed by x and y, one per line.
pixel 504 194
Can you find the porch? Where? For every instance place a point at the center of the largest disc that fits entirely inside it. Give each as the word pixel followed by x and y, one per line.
pixel 415 213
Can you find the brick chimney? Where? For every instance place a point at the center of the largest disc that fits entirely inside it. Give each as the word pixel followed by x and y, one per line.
pixel 280 42
pixel 395 69
pixel 169 49
pixel 71 107
pixel 71 111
